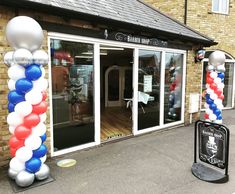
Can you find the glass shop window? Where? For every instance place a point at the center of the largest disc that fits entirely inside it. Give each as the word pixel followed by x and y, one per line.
pixel 220 6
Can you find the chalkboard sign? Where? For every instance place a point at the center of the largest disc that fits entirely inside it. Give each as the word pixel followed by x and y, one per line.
pixel 212 141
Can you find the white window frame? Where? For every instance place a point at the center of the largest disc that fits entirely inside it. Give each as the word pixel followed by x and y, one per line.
pixel 220 7
pixel 136 47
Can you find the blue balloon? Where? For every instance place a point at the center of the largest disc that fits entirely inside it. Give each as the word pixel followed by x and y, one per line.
pixel 11 107
pixel 43 137
pixel 222 80
pixel 217 112
pixel 33 165
pixel 209 101
pixel 24 85
pixel 40 152
pixel 33 72
pixel 207 96
pixel 221 75
pixel 14 97
pixel 213 107
pixel 219 117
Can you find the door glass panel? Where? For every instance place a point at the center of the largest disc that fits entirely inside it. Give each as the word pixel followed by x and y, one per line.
pixel 128 84
pixel 72 93
pixel 173 87
pixel 113 85
pixel 148 89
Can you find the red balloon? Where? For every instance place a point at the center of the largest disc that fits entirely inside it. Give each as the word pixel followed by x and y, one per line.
pixel 40 108
pixel 221 96
pixel 22 132
pixel 44 95
pixel 213 86
pixel 31 120
pixel 13 152
pixel 206 116
pixel 209 80
pixel 15 143
pixel 218 92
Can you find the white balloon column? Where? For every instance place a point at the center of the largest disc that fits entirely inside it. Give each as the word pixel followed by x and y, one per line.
pixel 214 87
pixel 27 101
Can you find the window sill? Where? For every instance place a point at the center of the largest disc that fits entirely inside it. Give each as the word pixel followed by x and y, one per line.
pixel 220 13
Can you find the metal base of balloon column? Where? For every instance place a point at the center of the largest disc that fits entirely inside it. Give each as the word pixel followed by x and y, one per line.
pixel 208 174
pixel 36 183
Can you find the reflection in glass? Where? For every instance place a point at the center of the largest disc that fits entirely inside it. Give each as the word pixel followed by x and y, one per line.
pixel 148 89
pixel 113 85
pixel 173 87
pixel 72 93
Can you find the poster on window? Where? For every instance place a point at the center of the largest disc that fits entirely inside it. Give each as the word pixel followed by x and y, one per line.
pixel 148 83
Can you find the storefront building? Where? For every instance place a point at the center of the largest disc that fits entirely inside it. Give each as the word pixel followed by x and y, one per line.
pixel 117 69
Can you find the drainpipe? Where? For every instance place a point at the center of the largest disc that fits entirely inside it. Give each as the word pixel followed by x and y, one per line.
pixel 185 11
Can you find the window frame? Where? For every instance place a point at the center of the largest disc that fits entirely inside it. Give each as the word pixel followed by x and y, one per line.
pixel 219 11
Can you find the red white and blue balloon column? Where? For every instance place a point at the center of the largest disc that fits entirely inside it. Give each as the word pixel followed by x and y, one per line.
pixel 214 87
pixel 27 101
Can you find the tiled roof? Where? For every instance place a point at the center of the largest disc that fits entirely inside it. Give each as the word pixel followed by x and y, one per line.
pixel 129 11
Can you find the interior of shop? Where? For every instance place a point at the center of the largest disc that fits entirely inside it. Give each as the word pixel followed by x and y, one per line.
pixel 116 67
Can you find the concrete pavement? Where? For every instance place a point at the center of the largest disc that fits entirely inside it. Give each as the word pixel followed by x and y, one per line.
pixel 159 162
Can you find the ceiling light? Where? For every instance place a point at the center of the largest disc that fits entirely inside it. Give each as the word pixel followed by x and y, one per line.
pixel 112 48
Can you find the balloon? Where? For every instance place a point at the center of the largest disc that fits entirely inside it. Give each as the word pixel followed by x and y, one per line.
pixel 43 72
pixel 40 57
pixel 218 92
pixel 15 143
pixel 23 108
pixel 221 97
pixel 220 106
pixel 24 179
pixel 12 129
pixel 43 117
pixel 24 154
pixel 220 68
pixel 31 120
pixel 217 112
pixel 44 95
pixel 41 84
pixel 14 97
pixel 44 137
pixel 40 108
pixel 20 72
pixel 12 174
pixel 209 91
pixel 213 74
pixel 212 117
pixel 218 102
pixel 213 96
pixel 16 165
pixel 209 111
pixel 22 132
pixel 218 121
pixel 219 117
pixel 23 85
pixel 23 57
pixel 39 130
pixel 8 58
pixel 34 96
pixel 206 116
pixel 213 86
pixel 11 107
pixel 221 75
pixel 209 80
pixel 13 152
pixel 11 84
pixel 217 80
pixel 217 58
pixel 14 119
pixel 43 159
pixel 33 72
pixel 209 101
pixel 33 165
pixel 33 142
pixel 206 106
pixel 213 107
pixel 210 68
pixel 221 86
pixel 24 32
pixel 43 173
pixel 40 152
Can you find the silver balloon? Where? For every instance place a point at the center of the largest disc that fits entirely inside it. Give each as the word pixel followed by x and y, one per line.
pixel 43 173
pixel 12 174
pixel 23 57
pixel 220 68
pixel 217 58
pixel 24 32
pixel 210 67
pixel 8 58
pixel 24 179
pixel 40 57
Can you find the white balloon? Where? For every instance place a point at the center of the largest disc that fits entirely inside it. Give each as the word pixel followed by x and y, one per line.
pixel 12 129
pixel 213 74
pixel 213 96
pixel 24 32
pixel 40 57
pixel 23 108
pixel 206 105
pixel 14 119
pixel 8 58
pixel 220 68
pixel 220 106
pixel 11 84
pixel 218 101
pixel 220 86
pixel 33 142
pixel 217 80
pixel 16 164
pixel 43 72
pixel 209 90
pixel 24 154
pixel 43 159
pixel 207 85
pixel 23 57
pixel 41 84
pixel 20 72
pixel 34 96
pixel 212 117
pixel 43 117
pixel 39 130
pixel 209 111
pixel 218 121
pixel 210 67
